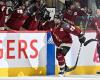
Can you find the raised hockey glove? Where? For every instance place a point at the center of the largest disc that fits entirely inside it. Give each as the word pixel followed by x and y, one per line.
pixel 81 38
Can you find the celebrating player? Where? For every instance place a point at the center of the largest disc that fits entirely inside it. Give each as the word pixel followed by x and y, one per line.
pixel 21 13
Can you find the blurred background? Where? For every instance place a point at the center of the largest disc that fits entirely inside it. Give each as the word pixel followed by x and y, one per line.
pixel 89 5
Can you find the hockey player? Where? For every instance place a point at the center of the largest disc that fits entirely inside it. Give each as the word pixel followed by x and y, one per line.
pixel 61 31
pixel 95 24
pixel 36 19
pixel 16 17
pixel 73 14
pixel 32 9
pixel 16 20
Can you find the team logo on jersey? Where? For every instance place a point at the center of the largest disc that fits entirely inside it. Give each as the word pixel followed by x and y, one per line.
pixel 72 28
pixel 61 29
pixel 75 13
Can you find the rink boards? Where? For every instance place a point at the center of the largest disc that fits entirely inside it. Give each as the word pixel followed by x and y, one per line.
pixel 23 53
pixel 33 53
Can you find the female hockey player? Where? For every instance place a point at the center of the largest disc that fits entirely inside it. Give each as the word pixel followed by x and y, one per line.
pixel 61 31
pixel 41 15
pixel 16 18
pixel 74 14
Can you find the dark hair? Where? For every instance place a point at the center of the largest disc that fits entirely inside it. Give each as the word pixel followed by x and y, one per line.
pixel 68 4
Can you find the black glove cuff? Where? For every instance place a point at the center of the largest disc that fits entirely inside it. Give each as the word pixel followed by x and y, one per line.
pixel 81 36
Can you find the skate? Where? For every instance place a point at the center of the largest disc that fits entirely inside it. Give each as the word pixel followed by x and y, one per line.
pixel 61 74
pixel 98 72
pixel 62 71
pixel 67 69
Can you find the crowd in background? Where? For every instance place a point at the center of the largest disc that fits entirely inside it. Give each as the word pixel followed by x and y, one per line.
pixel 29 10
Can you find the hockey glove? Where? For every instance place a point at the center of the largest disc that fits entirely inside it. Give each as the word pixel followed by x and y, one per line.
pixel 81 38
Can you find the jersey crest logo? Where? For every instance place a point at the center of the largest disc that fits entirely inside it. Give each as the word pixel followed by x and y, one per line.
pixel 61 29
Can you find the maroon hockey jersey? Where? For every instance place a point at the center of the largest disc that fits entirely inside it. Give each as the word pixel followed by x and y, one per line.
pixel 16 20
pixel 95 24
pixel 31 23
pixel 61 34
pixel 74 16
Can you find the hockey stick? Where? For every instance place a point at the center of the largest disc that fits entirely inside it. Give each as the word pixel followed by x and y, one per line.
pixel 88 41
pixel 72 68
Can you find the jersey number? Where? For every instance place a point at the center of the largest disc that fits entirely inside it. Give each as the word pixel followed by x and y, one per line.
pixel 72 28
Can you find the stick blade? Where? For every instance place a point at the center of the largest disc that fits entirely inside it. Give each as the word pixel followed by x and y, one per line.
pixel 88 41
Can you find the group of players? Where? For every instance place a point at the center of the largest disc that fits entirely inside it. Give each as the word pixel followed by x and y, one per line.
pixel 33 15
